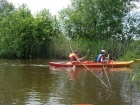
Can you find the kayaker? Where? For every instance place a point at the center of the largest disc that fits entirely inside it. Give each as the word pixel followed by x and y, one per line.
pixel 101 57
pixel 74 59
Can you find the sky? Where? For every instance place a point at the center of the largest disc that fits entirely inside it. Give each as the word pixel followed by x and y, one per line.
pixel 36 5
pixel 53 5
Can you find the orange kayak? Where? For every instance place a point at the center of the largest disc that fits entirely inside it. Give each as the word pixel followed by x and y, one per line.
pixel 110 63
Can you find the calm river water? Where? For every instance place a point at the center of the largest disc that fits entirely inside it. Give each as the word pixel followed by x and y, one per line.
pixel 34 82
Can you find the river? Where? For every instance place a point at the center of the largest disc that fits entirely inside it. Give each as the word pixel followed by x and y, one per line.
pixel 34 82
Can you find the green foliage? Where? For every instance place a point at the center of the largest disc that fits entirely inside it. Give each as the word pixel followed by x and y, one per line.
pixel 132 51
pixel 100 24
pixel 26 36
pixel 86 25
pixel 95 19
pixel 5 7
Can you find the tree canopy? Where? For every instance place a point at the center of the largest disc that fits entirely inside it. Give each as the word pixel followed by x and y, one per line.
pixel 23 35
pixel 95 19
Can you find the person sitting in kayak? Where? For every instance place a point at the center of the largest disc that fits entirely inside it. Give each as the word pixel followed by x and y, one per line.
pixel 101 57
pixel 74 57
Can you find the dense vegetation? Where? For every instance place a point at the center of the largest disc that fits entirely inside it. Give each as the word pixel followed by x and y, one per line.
pixel 86 25
pixel 24 35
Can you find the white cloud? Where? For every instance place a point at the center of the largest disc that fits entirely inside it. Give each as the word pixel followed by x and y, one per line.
pixel 36 5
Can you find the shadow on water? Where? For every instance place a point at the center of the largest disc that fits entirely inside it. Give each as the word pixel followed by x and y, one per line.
pixel 34 82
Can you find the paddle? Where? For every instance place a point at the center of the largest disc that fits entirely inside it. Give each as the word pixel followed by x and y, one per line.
pixel 106 60
pixel 91 71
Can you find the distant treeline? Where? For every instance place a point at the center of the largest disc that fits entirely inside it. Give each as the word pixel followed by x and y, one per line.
pixel 85 25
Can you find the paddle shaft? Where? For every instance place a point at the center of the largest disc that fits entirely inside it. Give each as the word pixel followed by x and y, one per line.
pixel 90 70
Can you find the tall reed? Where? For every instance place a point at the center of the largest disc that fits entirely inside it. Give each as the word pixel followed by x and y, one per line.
pixel 60 48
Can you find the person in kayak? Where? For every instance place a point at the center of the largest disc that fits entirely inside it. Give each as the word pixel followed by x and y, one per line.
pixel 101 57
pixel 74 59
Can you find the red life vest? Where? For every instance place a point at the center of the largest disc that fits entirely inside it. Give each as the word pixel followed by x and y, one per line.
pixel 73 56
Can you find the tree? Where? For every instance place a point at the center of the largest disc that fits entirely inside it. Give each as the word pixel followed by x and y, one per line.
pixel 95 19
pixel 5 8
pixel 26 36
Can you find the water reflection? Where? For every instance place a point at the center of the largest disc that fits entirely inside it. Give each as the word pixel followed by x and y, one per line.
pixel 34 82
pixel 101 95
pixel 100 72
pixel 73 74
